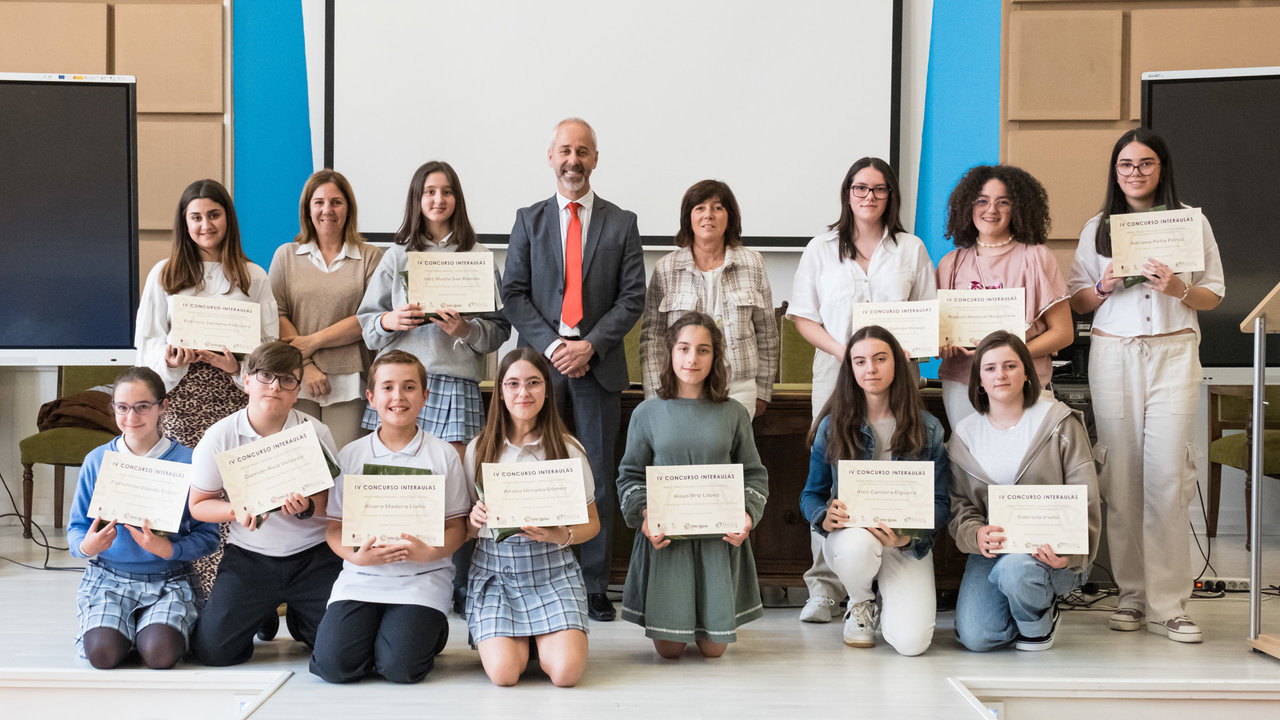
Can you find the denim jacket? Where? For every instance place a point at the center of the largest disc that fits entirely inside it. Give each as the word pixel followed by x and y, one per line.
pixel 822 486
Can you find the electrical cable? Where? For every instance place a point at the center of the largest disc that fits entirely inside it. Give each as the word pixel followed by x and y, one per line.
pixel 43 542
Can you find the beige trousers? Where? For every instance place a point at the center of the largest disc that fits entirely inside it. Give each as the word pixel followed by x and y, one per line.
pixel 1144 392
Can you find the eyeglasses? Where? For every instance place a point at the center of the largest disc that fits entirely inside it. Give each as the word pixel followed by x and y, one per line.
pixel 880 191
pixel 1124 168
pixel 533 385
pixel 1001 204
pixel 287 382
pixel 141 408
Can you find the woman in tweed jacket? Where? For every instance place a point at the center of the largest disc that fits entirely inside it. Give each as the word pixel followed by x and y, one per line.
pixel 711 272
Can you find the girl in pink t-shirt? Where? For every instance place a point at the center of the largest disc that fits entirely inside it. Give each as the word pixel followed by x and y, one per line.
pixel 998 218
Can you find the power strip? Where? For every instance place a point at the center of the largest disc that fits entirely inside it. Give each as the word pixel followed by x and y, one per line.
pixel 1222 584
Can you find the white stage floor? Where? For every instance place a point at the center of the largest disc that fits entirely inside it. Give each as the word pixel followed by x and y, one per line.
pixel 778 667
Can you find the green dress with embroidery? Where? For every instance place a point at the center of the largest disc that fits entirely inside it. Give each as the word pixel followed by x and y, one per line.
pixel 697 587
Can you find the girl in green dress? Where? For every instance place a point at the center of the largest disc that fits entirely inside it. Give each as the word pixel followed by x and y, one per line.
pixel 696 589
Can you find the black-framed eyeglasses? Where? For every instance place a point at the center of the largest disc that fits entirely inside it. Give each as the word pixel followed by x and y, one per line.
pixel 287 382
pixel 141 408
pixel 1124 168
pixel 880 191
pixel 1000 203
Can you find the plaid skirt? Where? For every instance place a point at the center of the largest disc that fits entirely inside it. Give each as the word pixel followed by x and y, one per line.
pixel 454 410
pixel 128 602
pixel 523 588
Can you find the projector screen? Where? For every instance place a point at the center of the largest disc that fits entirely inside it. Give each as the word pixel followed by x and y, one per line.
pixel 68 219
pixel 775 99
pixel 1220 128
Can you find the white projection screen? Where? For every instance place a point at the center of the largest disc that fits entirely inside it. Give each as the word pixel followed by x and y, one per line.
pixel 776 99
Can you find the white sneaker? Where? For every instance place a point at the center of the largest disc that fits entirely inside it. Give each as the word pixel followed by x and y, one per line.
pixel 860 623
pixel 817 609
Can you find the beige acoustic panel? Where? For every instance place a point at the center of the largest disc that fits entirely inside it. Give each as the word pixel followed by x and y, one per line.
pixel 1199 39
pixel 1065 65
pixel 172 154
pixel 1072 166
pixel 153 246
pixel 176 52
pixel 1064 251
pixel 37 37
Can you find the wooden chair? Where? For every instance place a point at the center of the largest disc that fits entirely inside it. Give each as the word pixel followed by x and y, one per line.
pixel 62 447
pixel 1230 408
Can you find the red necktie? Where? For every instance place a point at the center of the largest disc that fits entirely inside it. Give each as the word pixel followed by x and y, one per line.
pixel 571 307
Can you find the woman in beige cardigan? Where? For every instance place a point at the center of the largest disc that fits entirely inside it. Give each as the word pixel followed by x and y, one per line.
pixel 318 281
pixel 711 272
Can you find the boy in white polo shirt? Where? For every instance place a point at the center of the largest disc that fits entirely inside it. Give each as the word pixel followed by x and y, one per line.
pixel 387 614
pixel 285 558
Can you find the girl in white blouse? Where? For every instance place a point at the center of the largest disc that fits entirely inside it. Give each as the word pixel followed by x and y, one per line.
pixel 206 260
pixel 865 256
pixel 1144 378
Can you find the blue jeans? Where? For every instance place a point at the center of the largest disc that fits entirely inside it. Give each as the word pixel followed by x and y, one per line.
pixel 1007 596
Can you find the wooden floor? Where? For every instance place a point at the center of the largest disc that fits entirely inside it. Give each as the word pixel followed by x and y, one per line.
pixel 778 667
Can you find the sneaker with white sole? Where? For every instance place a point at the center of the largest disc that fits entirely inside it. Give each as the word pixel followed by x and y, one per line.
pixel 1179 629
pixel 860 623
pixel 817 609
pixel 1126 620
pixel 1044 642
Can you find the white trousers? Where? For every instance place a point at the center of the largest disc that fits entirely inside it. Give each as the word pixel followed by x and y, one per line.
pixel 820 580
pixel 908 603
pixel 955 399
pixel 1144 392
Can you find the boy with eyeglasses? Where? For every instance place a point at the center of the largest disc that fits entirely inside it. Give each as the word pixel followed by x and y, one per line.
pixel 280 559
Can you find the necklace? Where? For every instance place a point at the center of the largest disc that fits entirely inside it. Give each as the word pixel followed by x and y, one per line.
pixel 1002 426
pixel 1002 243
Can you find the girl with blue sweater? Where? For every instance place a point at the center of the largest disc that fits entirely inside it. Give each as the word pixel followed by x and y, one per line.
pixel 136 590
pixel 875 413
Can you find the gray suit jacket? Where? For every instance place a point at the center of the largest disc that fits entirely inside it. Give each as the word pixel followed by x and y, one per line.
pixel 612 283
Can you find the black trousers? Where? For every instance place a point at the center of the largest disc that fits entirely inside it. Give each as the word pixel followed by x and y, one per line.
pixel 249 587
pixel 398 642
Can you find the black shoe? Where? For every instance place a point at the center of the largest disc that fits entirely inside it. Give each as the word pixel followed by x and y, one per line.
pixel 599 608
pixel 270 626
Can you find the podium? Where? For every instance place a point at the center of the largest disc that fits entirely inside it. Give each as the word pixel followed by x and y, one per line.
pixel 1257 323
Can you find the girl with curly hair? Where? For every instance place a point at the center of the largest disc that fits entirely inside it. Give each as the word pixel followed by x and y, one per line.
pixel 998 218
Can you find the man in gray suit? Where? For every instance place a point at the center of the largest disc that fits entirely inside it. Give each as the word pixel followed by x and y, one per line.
pixel 573 287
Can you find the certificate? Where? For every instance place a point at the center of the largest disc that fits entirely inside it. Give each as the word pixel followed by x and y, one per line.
pixel 535 494
pixel 898 493
pixel 132 489
pixel 1174 237
pixel 1035 515
pixel 914 323
pixel 456 281
pixel 259 475
pixel 384 506
pixel 695 499
pixel 201 323
pixel 967 316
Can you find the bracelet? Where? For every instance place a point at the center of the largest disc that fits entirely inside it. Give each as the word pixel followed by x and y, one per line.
pixel 569 540
pixel 311 510
pixel 1186 290
pixel 1097 290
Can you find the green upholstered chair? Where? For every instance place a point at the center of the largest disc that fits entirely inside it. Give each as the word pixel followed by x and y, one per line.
pixel 62 447
pixel 1230 408
pixel 631 345
pixel 795 358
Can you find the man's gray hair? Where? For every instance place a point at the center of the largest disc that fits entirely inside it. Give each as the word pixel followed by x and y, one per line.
pixel 577 121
